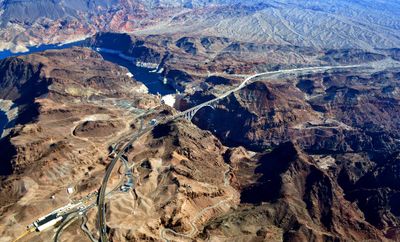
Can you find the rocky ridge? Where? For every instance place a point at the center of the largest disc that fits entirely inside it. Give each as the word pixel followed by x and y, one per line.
pixel 340 24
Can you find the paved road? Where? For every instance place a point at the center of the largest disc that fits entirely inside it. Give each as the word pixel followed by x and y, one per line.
pixel 72 215
pixel 85 228
pixel 101 196
pixel 247 81
pixel 192 222
pixel 69 220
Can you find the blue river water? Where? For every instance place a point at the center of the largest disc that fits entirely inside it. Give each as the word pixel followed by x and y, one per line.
pixel 3 121
pixel 6 53
pixel 151 80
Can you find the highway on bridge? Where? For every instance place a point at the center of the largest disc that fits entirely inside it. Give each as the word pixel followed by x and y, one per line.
pixel 247 81
pixel 80 207
pixel 71 214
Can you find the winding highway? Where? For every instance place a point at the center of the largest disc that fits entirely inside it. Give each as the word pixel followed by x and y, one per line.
pixel 247 81
pixel 69 220
pixel 85 228
pixel 102 192
pixel 71 215
pixel 192 222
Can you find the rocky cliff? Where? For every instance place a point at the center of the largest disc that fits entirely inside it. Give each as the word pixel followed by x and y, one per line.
pixel 50 86
pixel 340 24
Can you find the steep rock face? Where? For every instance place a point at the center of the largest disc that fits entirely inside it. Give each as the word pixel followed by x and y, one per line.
pixel 128 45
pixel 365 25
pixel 16 76
pixel 229 55
pixel 37 84
pixel 335 181
pixel 21 82
pixel 187 44
pixel 201 56
pixel 330 112
pixel 377 194
pixel 262 110
pixel 72 106
pixel 340 176
pixel 293 194
pixel 351 56
pixel 182 169
pixel 68 67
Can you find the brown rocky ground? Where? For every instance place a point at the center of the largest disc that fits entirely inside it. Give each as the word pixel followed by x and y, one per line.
pixel 197 61
pixel 345 128
pixel 290 158
pixel 70 112
pixel 292 199
pixel 335 112
pixel 339 24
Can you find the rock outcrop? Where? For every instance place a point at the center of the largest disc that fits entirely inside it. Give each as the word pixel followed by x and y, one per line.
pixel 289 197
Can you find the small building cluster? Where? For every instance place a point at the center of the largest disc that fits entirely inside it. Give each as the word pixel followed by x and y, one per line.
pixel 47 222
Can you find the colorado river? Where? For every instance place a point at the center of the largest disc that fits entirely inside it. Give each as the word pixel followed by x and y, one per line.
pixel 151 80
pixel 3 121
pixel 7 53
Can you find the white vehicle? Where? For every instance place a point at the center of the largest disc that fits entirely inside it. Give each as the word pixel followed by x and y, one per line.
pixel 153 122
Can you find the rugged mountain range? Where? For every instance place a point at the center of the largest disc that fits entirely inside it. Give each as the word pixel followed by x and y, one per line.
pixel 333 24
pixel 305 156
pixel 287 158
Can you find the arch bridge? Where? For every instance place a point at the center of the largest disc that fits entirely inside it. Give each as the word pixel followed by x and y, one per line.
pixel 190 113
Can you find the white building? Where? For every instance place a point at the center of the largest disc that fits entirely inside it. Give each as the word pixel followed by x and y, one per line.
pixel 47 222
pixel 70 190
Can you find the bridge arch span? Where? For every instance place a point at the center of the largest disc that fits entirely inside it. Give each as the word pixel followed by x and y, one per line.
pixel 189 115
